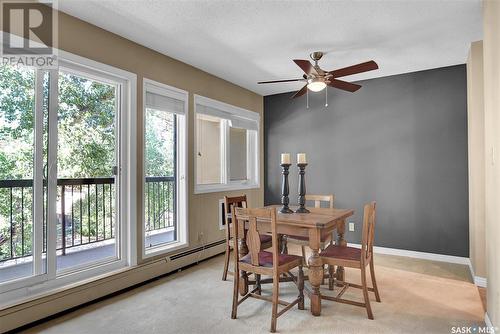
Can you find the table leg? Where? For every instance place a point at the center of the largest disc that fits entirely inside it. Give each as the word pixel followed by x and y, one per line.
pixel 315 272
pixel 243 250
pixel 283 244
pixel 341 242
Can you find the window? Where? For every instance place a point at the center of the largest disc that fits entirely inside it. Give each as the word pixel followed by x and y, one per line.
pixel 165 201
pixel 226 153
pixel 66 177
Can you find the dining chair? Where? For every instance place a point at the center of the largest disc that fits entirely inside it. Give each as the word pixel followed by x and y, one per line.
pixel 229 203
pixel 356 258
pixel 261 262
pixel 326 237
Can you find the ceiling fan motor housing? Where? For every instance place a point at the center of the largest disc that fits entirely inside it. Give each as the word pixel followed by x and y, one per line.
pixel 316 55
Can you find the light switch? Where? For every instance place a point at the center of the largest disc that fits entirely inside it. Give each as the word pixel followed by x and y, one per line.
pixel 351 227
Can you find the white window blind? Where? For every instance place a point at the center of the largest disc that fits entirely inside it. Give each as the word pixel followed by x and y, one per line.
pixel 158 101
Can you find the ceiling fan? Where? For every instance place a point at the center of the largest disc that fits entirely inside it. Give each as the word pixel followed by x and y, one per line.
pixel 317 79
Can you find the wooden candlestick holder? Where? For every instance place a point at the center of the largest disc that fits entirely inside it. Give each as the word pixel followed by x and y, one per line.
pixel 302 189
pixel 285 189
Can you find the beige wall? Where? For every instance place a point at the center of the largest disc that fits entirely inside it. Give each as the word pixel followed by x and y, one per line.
pixel 89 41
pixel 491 49
pixel 475 119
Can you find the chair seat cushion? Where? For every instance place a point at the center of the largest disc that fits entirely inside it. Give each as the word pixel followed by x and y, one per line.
pixel 266 259
pixel 265 238
pixel 344 253
pixel 325 236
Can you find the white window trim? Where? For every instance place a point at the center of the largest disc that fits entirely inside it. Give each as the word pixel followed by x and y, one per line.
pixel 253 156
pixel 181 177
pixel 26 289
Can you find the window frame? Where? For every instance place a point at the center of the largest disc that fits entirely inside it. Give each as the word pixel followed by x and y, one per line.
pixel 253 143
pixel 26 289
pixel 182 229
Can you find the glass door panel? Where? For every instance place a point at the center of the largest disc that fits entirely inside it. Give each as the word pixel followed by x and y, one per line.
pixel 23 119
pixel 160 184
pixel 86 185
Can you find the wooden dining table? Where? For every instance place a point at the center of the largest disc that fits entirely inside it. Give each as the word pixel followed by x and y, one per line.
pixel 314 224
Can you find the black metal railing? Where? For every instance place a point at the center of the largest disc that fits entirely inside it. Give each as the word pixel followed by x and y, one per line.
pixel 160 210
pixel 86 210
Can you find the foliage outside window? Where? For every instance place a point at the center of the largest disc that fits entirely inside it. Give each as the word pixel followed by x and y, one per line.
pixel 165 203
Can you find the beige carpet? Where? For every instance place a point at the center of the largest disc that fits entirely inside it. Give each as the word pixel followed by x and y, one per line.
pixel 418 296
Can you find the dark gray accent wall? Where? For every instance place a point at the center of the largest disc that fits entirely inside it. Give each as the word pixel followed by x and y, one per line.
pixel 400 140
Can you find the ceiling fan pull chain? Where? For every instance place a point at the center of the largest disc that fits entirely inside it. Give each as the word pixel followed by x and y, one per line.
pixel 326 97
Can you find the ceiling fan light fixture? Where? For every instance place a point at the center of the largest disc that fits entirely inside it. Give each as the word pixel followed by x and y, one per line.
pixel 316 85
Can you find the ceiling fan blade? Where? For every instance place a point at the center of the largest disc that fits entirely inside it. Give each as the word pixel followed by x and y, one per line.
pixel 301 92
pixel 354 69
pixel 306 66
pixel 344 85
pixel 275 81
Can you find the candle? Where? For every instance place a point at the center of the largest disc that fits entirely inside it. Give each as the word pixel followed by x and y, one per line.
pixel 285 158
pixel 301 158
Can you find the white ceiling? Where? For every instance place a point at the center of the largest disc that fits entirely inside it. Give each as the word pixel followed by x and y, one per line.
pixel 249 41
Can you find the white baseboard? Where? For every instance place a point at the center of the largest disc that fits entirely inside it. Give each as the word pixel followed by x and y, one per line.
pixel 489 324
pixel 418 255
pixel 478 280
pixel 481 281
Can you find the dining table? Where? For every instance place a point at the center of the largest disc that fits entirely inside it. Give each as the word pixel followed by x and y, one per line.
pixel 312 225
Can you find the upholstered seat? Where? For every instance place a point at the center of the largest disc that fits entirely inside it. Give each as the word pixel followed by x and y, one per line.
pixel 344 253
pixel 266 259
pixel 265 238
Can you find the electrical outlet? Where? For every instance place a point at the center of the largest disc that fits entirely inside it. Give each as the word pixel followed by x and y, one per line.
pixel 200 236
pixel 351 227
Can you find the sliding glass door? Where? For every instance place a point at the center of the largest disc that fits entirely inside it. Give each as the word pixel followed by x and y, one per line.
pixel 62 167
pixel 86 165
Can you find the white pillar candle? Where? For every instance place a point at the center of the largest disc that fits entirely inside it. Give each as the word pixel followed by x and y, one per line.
pixel 285 158
pixel 301 158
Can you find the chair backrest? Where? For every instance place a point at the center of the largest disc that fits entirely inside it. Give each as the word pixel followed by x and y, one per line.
pixel 229 204
pixel 368 230
pixel 252 216
pixel 321 198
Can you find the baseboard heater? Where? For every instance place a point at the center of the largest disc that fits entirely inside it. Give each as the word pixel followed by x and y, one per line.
pixel 197 249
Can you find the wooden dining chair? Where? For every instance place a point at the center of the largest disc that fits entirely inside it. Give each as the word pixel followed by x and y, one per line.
pixel 326 237
pixel 229 203
pixel 356 258
pixel 261 262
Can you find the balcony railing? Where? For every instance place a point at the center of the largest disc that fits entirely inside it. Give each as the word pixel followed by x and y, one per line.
pixel 85 209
